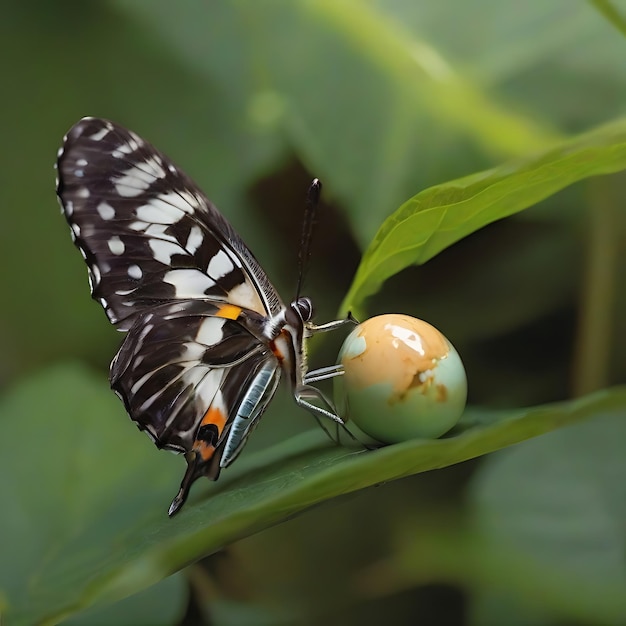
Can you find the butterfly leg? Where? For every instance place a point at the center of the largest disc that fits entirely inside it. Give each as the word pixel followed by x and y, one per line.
pixel 323 373
pixel 304 393
pixel 318 412
pixel 328 326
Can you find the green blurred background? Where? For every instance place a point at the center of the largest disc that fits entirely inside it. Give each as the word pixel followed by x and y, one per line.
pixel 380 99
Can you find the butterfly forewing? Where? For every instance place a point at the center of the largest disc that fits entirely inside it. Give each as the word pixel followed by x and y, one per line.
pixel 148 234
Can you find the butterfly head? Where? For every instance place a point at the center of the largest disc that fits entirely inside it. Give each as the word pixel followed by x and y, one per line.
pixel 303 308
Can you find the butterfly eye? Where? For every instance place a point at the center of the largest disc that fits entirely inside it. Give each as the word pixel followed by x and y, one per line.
pixel 304 308
pixel 403 379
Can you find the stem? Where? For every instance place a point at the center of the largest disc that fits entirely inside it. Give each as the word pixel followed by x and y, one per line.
pixel 594 332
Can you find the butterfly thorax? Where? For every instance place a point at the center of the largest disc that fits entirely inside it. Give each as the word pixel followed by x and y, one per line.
pixel 285 333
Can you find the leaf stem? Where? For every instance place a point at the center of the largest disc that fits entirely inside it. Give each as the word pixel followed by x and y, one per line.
pixel 611 13
pixel 595 323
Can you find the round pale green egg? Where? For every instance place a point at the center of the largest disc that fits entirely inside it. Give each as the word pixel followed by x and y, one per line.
pixel 402 379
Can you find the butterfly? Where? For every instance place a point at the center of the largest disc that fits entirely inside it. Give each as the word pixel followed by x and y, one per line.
pixel 207 335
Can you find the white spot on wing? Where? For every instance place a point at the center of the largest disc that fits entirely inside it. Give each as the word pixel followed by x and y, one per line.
pixel 158 231
pixel 189 283
pixel 153 230
pixel 192 352
pixel 140 383
pixel 81 162
pixel 180 199
pixel 83 192
pixel 244 295
pixel 190 200
pixel 133 182
pixel 134 271
pixel 208 388
pixel 95 270
pixel 220 265
pixel 195 240
pixel 154 165
pixel 116 245
pixel 210 331
pixel 124 149
pixel 75 229
pixel 144 332
pixel 106 211
pixel 161 210
pixel 163 250
pixel 69 208
pixel 100 134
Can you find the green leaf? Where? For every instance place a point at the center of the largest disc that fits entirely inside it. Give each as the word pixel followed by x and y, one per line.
pixel 541 539
pixel 553 510
pixel 75 472
pixel 359 97
pixel 612 14
pixel 84 519
pixel 162 604
pixel 437 217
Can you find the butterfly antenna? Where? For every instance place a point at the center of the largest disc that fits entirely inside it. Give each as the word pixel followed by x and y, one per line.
pixel 308 223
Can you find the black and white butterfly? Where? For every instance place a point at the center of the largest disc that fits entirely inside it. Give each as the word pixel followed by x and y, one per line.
pixel 207 336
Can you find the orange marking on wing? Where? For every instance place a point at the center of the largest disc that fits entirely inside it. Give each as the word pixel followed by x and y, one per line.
pixel 204 449
pixel 214 416
pixel 228 311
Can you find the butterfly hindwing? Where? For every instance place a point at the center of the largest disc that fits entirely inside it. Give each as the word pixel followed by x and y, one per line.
pixel 148 234
pixel 173 363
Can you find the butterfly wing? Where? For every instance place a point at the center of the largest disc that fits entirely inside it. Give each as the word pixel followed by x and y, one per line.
pixel 196 382
pixel 146 231
pixel 168 268
pixel 172 369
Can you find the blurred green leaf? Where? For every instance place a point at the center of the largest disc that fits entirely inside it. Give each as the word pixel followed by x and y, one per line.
pixel 542 537
pixel 437 217
pixel 80 473
pixel 572 74
pixel 103 497
pixel 359 97
pixel 162 604
pixel 612 14
pixel 555 508
pixel 487 606
pixel 497 571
